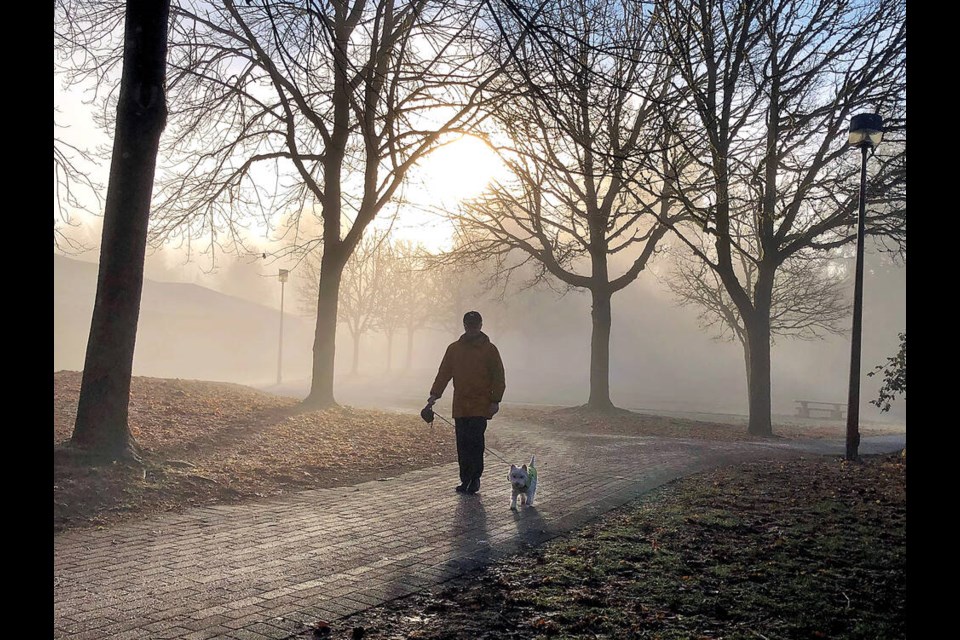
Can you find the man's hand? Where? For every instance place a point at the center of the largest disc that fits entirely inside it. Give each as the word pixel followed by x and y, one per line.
pixel 494 407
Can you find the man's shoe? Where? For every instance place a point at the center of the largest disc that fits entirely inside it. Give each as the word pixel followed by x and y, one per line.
pixel 474 486
pixel 460 488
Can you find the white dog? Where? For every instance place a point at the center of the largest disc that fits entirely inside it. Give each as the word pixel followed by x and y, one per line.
pixel 523 480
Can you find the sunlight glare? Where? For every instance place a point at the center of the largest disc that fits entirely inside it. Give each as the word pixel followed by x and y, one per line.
pixel 458 171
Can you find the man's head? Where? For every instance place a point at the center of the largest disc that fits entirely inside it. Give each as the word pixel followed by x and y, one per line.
pixel 472 323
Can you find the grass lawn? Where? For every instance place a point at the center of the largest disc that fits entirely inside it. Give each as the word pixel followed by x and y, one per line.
pixel 814 548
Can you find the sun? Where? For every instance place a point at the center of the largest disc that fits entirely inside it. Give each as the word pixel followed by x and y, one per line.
pixel 457 171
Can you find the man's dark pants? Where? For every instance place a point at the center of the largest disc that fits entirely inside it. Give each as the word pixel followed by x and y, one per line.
pixel 470 445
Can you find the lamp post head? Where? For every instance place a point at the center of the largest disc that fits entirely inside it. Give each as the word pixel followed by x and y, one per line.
pixel 866 130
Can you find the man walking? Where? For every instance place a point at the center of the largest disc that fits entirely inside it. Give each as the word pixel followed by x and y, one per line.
pixel 478 385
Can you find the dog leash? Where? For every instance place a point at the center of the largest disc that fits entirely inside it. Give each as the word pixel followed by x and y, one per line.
pixel 484 446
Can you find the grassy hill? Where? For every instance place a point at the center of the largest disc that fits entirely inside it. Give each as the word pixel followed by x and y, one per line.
pixel 185 330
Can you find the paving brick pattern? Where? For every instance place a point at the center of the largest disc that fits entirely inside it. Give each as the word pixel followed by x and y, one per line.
pixel 268 569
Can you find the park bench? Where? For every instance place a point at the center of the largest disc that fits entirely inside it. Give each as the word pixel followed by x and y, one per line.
pixel 832 409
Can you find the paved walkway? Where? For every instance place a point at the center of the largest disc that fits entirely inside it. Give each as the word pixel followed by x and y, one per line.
pixel 268 569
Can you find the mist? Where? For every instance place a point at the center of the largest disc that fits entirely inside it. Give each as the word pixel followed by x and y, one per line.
pixel 223 324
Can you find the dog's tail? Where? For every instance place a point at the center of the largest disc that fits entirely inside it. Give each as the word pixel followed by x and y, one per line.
pixel 532 460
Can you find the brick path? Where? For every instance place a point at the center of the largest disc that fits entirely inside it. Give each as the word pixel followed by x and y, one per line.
pixel 267 569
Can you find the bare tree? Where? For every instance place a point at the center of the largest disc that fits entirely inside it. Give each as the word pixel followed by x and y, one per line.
pixel 312 108
pixel 462 279
pixel 581 128
pixel 387 287
pixel 455 291
pixel 306 110
pixel 365 289
pixel 404 298
pixel 414 284
pixel 772 85
pixel 809 298
pixel 390 304
pixel 365 284
pixel 101 423
pixel 308 270
pixel 72 188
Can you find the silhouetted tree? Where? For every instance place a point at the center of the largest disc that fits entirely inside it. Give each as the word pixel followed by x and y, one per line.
pixel 460 280
pixel 580 130
pixel 415 294
pixel 330 104
pixel 403 299
pixel 770 88
pixel 809 297
pixel 365 280
pixel 73 188
pixel 304 110
pixel 102 411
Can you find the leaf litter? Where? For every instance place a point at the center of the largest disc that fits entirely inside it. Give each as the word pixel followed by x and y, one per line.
pixel 212 442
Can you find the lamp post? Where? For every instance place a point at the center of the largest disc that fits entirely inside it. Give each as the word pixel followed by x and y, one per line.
pixel 283 279
pixel 866 131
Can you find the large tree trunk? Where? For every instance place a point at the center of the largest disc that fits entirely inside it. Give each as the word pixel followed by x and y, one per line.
pixel 759 379
pixel 600 351
pixel 325 334
pixel 746 361
pixel 757 325
pixel 334 255
pixel 101 425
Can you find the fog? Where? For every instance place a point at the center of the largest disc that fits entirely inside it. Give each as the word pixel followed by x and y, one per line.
pixel 223 324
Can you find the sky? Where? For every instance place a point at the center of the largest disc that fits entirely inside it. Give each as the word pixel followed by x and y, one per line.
pixel 459 169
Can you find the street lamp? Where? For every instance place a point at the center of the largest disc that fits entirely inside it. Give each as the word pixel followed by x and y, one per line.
pixel 866 131
pixel 284 273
